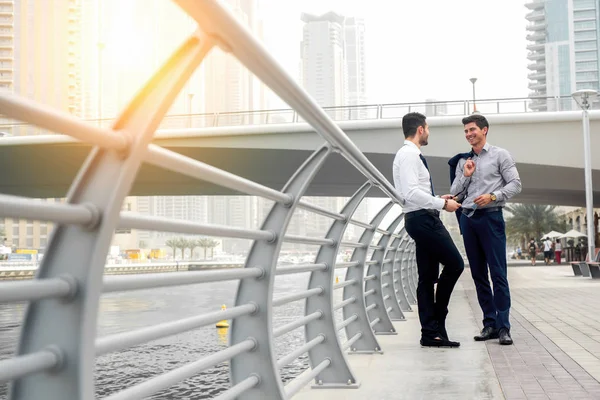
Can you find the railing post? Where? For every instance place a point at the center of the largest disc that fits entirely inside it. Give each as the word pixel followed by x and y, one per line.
pixel 413 274
pixel 78 253
pixel 216 119
pixel 339 373
pixel 387 273
pixel 259 326
pixel 379 315
pixel 407 274
pixel 367 342
pixel 400 277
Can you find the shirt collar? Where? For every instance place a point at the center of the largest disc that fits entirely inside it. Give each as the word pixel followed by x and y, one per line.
pixel 411 144
pixel 487 146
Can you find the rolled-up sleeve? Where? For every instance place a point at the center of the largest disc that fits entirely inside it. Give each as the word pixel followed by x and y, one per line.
pixel 510 175
pixel 406 181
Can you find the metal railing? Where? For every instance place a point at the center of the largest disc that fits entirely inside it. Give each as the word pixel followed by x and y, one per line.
pixel 58 343
pixel 339 113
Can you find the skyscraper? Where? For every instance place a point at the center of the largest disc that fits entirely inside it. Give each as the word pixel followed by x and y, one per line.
pixel 39 60
pixel 333 62
pixel 324 69
pixel 563 50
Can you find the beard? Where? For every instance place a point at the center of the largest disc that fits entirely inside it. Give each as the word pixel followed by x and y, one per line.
pixel 423 141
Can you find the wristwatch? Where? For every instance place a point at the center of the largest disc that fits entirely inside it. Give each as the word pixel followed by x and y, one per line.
pixel 493 197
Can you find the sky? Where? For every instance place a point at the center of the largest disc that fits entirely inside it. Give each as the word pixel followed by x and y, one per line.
pixel 416 50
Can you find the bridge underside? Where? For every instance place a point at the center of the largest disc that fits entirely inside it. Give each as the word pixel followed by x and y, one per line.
pixel 47 171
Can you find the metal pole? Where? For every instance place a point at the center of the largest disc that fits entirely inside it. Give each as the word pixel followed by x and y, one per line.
pixel 473 80
pixel 589 197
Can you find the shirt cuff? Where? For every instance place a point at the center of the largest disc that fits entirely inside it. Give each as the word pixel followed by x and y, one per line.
pixel 441 202
pixel 499 196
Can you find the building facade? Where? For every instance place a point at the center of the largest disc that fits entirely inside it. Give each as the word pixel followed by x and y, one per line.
pixel 563 51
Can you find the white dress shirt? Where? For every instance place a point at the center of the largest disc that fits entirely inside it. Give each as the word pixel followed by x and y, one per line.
pixel 412 180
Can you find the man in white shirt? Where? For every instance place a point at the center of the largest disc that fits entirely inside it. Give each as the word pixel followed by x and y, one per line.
pixel 433 242
pixel 547 251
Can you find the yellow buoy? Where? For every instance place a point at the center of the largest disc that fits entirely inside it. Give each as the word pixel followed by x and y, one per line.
pixel 223 323
pixel 337 279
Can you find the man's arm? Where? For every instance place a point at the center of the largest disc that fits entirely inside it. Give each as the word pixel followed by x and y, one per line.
pixel 461 182
pixel 408 183
pixel 510 175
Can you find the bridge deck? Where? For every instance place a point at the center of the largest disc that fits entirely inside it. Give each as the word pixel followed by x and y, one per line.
pixel 555 326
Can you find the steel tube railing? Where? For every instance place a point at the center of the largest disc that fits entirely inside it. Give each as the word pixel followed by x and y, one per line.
pixel 37 289
pixel 61 213
pixel 296 296
pixel 123 283
pixel 300 268
pixel 142 222
pixel 282 330
pixel 320 210
pixel 344 303
pixel 285 360
pixel 160 382
pixel 240 388
pixel 297 385
pixel 193 168
pixel 17 367
pixel 61 122
pixel 124 340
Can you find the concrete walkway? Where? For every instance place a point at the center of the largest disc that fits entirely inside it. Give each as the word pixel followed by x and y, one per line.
pixel 556 328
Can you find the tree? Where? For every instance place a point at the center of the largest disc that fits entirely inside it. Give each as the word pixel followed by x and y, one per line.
pixel 182 243
pixel 531 220
pixel 193 245
pixel 207 243
pixel 172 243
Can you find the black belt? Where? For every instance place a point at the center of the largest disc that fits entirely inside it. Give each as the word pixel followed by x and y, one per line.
pixel 483 210
pixel 418 213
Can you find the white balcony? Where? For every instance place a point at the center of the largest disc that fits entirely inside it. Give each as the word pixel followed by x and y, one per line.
pixel 536 56
pixel 535 5
pixel 536 16
pixel 536 36
pixel 536 46
pixel 537 76
pixel 537 86
pixel 537 66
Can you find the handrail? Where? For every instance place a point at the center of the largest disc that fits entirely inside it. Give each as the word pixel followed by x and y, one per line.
pixel 58 333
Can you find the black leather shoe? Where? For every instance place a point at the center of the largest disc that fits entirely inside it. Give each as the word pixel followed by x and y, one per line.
pixel 440 342
pixel 487 333
pixel 504 337
pixel 442 331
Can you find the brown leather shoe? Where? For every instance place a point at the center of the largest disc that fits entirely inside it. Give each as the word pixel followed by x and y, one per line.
pixel 487 333
pixel 504 337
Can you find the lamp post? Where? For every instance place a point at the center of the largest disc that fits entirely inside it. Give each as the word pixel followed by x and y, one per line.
pixel 584 99
pixel 473 80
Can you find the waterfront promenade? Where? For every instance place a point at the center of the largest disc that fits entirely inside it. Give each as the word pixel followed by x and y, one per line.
pixel 556 328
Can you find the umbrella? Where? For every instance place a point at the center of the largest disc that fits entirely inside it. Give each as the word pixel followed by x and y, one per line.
pixel 551 235
pixel 572 234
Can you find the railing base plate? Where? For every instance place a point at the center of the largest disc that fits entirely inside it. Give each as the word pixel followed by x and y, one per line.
pixel 336 386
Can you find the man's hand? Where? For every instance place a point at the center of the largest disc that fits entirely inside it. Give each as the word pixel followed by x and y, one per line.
pixel 448 197
pixel 469 168
pixel 483 200
pixel 452 205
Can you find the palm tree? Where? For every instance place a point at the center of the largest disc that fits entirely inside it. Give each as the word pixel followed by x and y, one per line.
pixel 207 243
pixel 172 243
pixel 531 220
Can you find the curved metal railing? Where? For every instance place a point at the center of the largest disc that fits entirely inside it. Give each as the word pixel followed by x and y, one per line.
pixel 58 343
pixel 337 113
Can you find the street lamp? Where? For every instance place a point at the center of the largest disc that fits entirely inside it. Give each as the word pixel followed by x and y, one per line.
pixel 584 99
pixel 473 80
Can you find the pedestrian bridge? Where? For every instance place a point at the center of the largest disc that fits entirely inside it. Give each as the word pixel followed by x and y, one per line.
pixel 344 323
pixel 548 147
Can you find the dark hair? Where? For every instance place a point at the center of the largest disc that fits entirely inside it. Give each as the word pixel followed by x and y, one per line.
pixel 479 120
pixel 410 123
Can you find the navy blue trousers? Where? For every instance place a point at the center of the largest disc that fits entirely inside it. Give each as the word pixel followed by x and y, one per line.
pixel 485 242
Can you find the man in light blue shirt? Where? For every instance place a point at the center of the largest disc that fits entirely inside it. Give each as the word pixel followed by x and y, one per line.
pixel 484 182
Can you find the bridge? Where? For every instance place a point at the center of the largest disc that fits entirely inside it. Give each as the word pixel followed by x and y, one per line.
pixel 361 315
pixel 250 151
